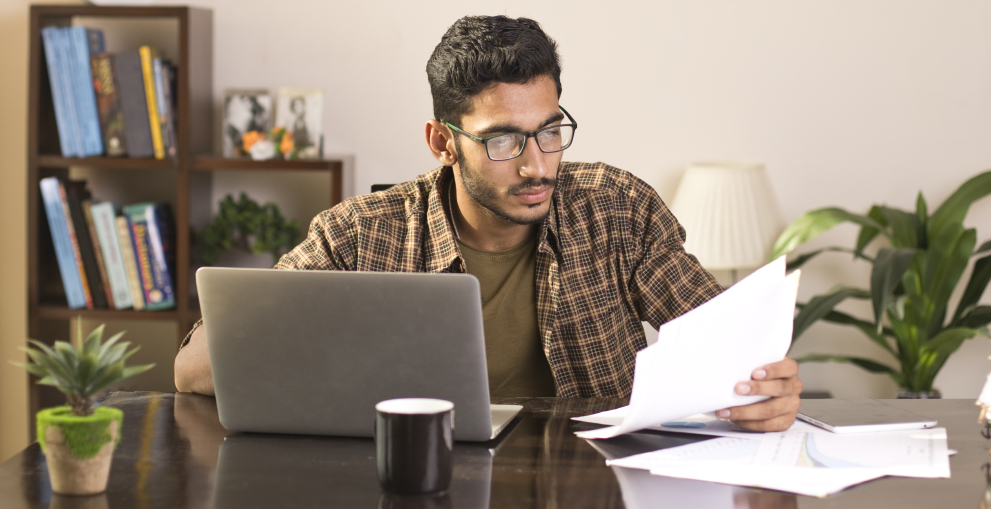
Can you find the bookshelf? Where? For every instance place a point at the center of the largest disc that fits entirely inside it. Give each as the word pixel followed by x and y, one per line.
pixel 183 181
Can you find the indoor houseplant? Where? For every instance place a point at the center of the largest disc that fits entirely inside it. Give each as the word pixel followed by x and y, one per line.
pixel 78 439
pixel 921 259
pixel 248 226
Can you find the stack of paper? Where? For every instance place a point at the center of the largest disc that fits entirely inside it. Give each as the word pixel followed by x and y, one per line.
pixel 700 356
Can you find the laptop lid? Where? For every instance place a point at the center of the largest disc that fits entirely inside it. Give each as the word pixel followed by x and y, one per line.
pixel 311 352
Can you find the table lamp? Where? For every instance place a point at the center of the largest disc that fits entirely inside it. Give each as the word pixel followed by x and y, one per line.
pixel 730 214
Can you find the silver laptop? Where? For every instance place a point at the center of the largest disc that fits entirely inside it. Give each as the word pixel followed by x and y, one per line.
pixel 311 352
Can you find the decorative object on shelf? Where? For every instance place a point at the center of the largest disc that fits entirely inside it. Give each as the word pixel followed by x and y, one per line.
pixel 245 111
pixel 730 213
pixel 913 276
pixel 247 226
pixel 276 144
pixel 299 111
pixel 78 439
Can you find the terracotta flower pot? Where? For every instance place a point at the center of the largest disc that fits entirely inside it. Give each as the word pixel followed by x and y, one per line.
pixel 78 450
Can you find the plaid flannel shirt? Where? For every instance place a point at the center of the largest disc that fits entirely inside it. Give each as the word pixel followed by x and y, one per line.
pixel 610 255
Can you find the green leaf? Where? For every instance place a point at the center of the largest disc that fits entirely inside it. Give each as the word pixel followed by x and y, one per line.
pixel 933 354
pixel 869 365
pixel 944 264
pixel 976 286
pixel 889 266
pixel 922 220
pixel 811 224
pixel 985 247
pixel 867 233
pixel 976 318
pixel 955 208
pixel 820 305
pixel 866 327
pixel 92 343
pixel 904 227
pixel 800 260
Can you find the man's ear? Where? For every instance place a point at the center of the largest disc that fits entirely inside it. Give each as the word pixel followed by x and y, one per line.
pixel 440 142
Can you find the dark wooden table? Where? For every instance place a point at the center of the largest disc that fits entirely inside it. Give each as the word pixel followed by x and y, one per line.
pixel 175 453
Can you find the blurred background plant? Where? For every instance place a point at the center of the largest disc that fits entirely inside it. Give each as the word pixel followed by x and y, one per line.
pixel 921 260
pixel 248 226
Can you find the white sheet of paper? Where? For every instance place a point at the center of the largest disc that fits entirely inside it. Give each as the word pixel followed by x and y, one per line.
pixel 700 356
pixel 699 424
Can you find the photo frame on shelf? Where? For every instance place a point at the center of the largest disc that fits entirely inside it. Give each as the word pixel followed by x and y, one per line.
pixel 245 110
pixel 300 112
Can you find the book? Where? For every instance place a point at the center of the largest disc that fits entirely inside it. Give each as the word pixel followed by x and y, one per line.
pixel 74 242
pixel 51 197
pixel 108 105
pixel 83 42
pixel 161 69
pixel 147 56
pixel 64 50
pixel 98 252
pixel 58 97
pixel 152 234
pixel 105 221
pixel 76 193
pixel 134 107
pixel 130 264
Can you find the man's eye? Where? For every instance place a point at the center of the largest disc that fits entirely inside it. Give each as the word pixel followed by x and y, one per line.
pixel 502 142
pixel 550 134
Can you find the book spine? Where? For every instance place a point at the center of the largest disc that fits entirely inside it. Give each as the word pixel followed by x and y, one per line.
pixel 130 264
pixel 82 86
pixel 65 75
pixel 58 99
pixel 76 192
pixel 52 199
pixel 101 265
pixel 106 232
pixel 161 74
pixel 169 87
pixel 108 106
pixel 76 251
pixel 134 107
pixel 155 280
pixel 147 55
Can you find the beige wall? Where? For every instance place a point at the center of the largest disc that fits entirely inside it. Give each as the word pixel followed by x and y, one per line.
pixel 847 102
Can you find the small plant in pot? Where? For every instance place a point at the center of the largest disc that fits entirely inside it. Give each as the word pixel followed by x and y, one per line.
pixel 78 439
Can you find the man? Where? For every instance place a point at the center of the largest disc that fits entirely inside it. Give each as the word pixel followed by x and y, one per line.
pixel 571 257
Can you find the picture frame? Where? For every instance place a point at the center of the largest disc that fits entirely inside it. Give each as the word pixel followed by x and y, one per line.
pixel 245 110
pixel 300 112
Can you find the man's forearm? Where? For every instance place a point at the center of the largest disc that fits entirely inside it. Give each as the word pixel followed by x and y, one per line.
pixel 192 366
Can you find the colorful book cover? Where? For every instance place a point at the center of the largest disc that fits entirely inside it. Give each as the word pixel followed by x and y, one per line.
pixel 105 220
pixel 51 196
pixel 81 42
pixel 161 72
pixel 76 192
pixel 111 116
pixel 130 263
pixel 55 82
pixel 151 232
pixel 147 56
pixel 73 240
pixel 64 50
pixel 101 264
pixel 133 105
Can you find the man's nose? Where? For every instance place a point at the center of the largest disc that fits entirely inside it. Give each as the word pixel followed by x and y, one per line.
pixel 532 162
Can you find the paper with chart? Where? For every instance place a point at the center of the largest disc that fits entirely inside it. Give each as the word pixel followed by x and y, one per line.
pixel 699 424
pixel 700 356
pixel 809 463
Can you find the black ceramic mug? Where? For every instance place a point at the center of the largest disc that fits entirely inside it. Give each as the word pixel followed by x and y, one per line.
pixel 414 440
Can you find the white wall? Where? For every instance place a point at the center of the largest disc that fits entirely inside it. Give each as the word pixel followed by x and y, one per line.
pixel 848 103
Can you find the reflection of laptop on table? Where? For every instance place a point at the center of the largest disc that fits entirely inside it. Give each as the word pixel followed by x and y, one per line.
pixel 311 352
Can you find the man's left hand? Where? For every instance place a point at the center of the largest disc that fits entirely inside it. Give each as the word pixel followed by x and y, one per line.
pixel 779 380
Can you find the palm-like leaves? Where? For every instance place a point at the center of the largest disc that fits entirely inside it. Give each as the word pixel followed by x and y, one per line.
pixel 82 371
pixel 911 282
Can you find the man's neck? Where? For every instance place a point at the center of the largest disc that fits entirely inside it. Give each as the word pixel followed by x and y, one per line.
pixel 480 229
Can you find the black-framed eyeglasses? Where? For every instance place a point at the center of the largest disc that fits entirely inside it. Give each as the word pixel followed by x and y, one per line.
pixel 503 147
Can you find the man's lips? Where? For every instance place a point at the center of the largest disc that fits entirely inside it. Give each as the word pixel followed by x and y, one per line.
pixel 534 194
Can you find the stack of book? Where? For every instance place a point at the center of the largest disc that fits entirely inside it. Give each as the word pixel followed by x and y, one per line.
pixel 109 260
pixel 119 105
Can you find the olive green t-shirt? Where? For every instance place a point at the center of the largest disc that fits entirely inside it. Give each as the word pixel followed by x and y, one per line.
pixel 516 361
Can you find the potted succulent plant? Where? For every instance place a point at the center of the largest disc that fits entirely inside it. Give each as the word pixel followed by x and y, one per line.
pixel 78 439
pixel 919 264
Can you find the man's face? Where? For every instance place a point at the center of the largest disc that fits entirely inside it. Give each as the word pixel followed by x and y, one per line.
pixel 518 190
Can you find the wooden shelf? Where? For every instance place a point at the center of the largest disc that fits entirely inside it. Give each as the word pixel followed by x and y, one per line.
pixel 53 161
pixel 64 313
pixel 220 163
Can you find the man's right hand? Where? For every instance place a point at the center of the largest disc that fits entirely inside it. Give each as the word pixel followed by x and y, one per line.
pixel 192 366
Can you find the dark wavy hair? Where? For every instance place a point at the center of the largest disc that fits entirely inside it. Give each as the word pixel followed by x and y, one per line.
pixel 478 51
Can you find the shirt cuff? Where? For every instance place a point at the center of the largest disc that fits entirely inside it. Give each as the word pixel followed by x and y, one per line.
pixel 190 335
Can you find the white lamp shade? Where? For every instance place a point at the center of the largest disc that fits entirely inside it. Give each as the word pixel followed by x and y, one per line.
pixel 730 214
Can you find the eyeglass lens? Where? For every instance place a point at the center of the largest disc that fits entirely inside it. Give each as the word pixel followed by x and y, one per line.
pixel 549 139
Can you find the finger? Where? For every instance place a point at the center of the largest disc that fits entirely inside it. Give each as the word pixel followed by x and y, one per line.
pixel 773 388
pixel 762 411
pixel 785 368
pixel 780 423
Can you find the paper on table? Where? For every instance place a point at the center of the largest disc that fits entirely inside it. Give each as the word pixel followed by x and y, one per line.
pixel 700 424
pixel 700 356
pixel 815 464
